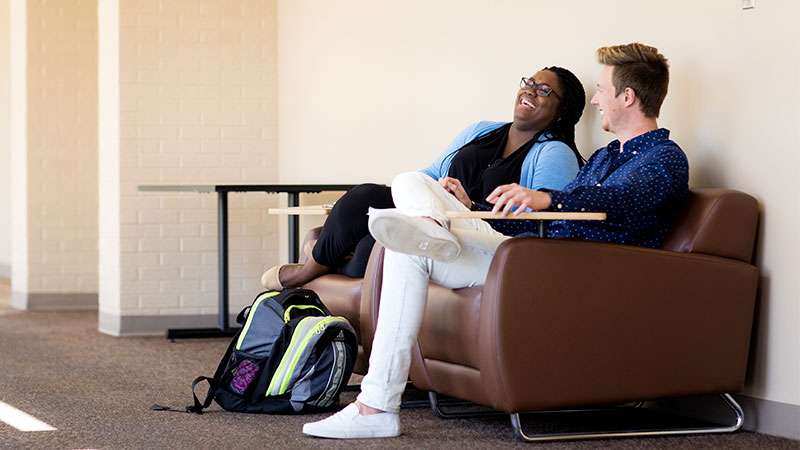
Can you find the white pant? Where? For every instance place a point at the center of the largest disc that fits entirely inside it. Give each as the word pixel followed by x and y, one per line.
pixel 405 285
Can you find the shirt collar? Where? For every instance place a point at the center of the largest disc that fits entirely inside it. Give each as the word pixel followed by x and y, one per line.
pixel 544 137
pixel 641 142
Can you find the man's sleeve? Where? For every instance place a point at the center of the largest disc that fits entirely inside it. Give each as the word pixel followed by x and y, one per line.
pixel 646 188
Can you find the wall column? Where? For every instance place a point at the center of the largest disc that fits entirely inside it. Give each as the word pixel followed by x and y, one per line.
pixel 187 96
pixel 54 151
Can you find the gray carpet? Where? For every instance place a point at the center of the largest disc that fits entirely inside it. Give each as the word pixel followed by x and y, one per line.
pixel 5 295
pixel 97 390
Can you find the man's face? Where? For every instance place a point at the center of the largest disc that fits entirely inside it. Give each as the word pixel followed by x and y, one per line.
pixel 609 106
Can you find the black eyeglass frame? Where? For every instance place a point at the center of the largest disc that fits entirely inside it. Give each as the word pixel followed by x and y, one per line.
pixel 528 83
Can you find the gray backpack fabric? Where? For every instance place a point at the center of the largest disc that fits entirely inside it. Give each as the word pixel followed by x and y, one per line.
pixel 291 356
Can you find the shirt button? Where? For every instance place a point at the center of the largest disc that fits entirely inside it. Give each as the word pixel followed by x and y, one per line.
pixel 598 184
pixel 634 152
pixel 583 209
pixel 559 206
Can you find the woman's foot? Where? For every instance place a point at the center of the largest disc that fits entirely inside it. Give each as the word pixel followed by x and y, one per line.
pixel 413 235
pixel 355 422
pixel 292 275
pixel 271 279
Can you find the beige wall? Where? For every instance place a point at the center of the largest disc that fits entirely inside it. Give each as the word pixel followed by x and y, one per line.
pixel 369 89
pixel 5 140
pixel 52 107
pixel 197 91
pixel 62 146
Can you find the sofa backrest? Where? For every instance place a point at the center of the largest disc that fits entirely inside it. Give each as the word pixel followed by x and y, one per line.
pixel 718 222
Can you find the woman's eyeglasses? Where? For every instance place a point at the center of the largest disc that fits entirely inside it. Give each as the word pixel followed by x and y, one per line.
pixel 541 89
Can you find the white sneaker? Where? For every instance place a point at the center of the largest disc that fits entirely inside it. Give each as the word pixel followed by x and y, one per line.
pixel 412 235
pixel 349 424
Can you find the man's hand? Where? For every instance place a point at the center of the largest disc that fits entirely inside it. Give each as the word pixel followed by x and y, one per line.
pixel 453 186
pixel 509 196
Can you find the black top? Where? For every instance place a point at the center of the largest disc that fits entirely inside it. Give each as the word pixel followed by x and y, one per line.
pixel 480 165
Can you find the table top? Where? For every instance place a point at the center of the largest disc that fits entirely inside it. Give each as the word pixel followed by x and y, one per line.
pixel 311 210
pixel 321 210
pixel 275 187
pixel 542 215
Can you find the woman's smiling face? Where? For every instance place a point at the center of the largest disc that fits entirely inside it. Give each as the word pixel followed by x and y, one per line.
pixel 533 110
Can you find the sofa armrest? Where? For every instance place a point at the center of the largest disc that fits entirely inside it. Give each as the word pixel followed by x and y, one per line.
pixel 566 323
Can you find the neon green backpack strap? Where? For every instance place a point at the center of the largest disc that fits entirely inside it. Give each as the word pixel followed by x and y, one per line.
pixel 301 330
pixel 305 335
pixel 250 315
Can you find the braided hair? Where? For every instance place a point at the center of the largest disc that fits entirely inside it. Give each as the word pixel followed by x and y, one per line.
pixel 570 110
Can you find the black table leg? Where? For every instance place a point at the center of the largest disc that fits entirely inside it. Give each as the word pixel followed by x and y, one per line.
pixel 294 228
pixel 222 259
pixel 223 329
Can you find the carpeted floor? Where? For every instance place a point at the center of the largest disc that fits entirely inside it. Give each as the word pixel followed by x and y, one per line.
pixel 5 294
pixel 97 390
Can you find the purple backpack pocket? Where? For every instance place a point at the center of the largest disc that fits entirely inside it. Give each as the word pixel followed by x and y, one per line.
pixel 243 375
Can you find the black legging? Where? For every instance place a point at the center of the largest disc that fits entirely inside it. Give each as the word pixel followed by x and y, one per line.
pixel 345 232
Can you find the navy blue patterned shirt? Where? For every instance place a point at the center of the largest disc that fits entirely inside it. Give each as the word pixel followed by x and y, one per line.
pixel 640 186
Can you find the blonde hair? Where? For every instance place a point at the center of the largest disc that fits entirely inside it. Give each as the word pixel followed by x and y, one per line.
pixel 641 68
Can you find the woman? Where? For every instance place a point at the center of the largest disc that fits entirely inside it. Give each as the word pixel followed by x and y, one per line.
pixel 423 245
pixel 537 150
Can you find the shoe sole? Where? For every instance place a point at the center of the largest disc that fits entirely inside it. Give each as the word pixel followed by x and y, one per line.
pixel 400 235
pixel 334 435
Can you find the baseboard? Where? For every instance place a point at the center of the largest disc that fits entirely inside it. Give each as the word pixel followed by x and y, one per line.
pixel 54 302
pixel 760 415
pixel 117 325
pixel 5 271
pixel 770 417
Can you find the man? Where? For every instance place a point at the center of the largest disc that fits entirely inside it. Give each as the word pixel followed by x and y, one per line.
pixel 638 180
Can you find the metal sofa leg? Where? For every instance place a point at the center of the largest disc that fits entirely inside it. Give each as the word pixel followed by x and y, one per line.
pixel 414 398
pixel 437 406
pixel 728 400
pixel 453 412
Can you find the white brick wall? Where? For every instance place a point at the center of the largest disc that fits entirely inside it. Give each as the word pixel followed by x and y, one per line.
pixel 197 105
pixel 62 146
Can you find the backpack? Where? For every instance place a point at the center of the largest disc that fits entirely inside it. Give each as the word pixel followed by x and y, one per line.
pixel 291 356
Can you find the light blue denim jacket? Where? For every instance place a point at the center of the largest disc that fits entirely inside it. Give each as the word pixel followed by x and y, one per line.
pixel 548 165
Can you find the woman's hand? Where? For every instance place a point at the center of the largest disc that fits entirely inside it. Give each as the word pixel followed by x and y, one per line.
pixel 453 186
pixel 510 196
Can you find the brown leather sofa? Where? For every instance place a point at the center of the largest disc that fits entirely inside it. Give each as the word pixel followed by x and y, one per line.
pixel 563 324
